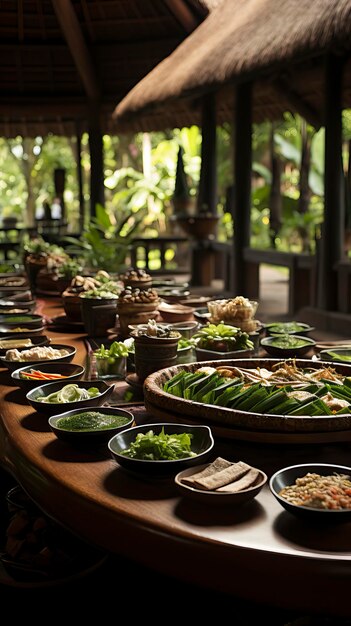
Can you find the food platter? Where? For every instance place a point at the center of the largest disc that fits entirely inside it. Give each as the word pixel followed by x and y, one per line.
pixel 246 425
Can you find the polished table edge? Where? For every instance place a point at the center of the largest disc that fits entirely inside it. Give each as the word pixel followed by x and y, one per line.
pixel 252 552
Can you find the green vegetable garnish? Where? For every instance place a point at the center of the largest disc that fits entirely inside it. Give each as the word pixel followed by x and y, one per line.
pixel 116 350
pixel 162 447
pixel 70 393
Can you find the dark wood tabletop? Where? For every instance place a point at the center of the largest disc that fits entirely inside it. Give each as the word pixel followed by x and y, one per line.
pixel 258 551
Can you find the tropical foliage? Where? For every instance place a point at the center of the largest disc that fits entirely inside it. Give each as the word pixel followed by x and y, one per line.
pixel 287 198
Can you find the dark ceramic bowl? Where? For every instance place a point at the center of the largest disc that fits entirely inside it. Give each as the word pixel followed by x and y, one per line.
pixel 202 444
pixel 287 476
pixel 88 437
pixel 173 294
pixel 71 371
pixel 22 319
pixel 202 315
pixel 207 355
pixel 27 305
pixel 268 343
pixel 282 328
pixel 52 408
pixel 341 355
pixel 37 340
pixel 217 498
pixel 5 329
pixel 196 301
pixel 67 358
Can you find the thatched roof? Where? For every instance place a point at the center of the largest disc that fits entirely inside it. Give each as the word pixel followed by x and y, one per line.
pixel 57 55
pixel 279 43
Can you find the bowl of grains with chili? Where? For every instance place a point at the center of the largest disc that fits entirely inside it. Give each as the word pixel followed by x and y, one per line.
pixel 314 491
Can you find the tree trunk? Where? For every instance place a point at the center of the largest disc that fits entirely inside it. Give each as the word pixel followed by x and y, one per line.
pixel 275 198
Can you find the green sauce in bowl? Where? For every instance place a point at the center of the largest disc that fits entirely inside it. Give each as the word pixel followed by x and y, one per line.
pixel 288 341
pixel 91 421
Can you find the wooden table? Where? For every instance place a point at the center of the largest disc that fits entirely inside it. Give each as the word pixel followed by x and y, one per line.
pixel 259 551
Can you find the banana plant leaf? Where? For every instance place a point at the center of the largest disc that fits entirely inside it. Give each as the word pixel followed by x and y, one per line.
pixel 210 385
pixel 194 387
pixel 316 407
pixel 274 398
pixel 210 397
pixel 241 400
pixel 228 395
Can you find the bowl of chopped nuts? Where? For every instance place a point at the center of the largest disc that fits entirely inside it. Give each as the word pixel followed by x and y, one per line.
pixel 136 278
pixel 136 306
pixel 316 491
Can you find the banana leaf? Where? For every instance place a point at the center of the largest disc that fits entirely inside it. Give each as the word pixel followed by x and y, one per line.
pixel 210 385
pixel 253 400
pixel 316 407
pixel 339 391
pixel 173 381
pixel 241 399
pixel 194 387
pixel 176 385
pixel 347 381
pixel 274 398
pixel 228 395
pixel 285 407
pixel 211 396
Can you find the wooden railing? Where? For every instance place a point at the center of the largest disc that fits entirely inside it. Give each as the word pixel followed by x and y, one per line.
pixel 302 275
pixel 147 250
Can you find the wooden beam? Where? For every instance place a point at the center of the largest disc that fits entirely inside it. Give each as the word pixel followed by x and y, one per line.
pixel 183 14
pixel 207 195
pixel 72 32
pixel 97 195
pixel 80 176
pixel 331 243
pixel 283 87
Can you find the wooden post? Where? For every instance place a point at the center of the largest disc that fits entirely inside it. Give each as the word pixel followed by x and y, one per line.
pixel 242 185
pixel 207 196
pixel 96 160
pixel 332 230
pixel 80 177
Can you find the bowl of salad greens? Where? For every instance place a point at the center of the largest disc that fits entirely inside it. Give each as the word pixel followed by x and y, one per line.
pixel 163 449
pixel 52 398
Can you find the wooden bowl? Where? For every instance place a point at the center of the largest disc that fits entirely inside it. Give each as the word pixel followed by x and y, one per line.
pixel 174 313
pixel 217 498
